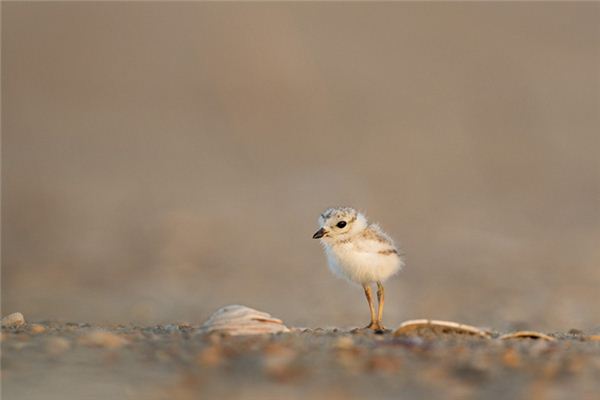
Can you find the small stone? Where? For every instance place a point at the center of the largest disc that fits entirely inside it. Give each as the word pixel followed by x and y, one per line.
pixel 171 328
pixel 56 346
pixel 576 364
pixel 211 356
pixel 381 363
pixel 14 319
pixel 37 328
pixel 511 358
pixel 344 343
pixel 551 369
pixel 278 362
pixel 20 345
pixel 350 360
pixel 105 339
pixel 163 356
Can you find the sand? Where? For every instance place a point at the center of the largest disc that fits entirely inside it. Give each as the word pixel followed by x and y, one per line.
pixel 54 360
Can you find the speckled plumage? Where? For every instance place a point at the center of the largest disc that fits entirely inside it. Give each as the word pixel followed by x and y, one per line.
pixel 360 252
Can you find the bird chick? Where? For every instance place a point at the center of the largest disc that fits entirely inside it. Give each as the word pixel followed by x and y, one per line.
pixel 360 252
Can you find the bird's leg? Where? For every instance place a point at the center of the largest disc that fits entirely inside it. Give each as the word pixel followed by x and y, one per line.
pixel 380 300
pixel 369 296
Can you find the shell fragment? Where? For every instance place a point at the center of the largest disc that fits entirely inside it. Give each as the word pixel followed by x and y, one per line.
pixel 242 320
pixel 418 326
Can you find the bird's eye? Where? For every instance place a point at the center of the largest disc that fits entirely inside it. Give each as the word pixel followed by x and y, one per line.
pixel 341 224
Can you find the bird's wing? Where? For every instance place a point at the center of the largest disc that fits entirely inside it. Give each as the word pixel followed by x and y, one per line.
pixel 374 240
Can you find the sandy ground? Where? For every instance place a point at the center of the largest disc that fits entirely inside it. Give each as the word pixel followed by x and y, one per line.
pixel 51 360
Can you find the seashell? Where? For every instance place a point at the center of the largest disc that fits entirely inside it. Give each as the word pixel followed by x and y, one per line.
pixel 14 319
pixel 419 326
pixel 242 320
pixel 526 335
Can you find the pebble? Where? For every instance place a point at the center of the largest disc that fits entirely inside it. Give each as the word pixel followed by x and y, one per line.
pixel 344 343
pixel 56 346
pixel 37 328
pixel 14 319
pixel 171 328
pixel 351 361
pixel 380 363
pixel 211 356
pixel 277 362
pixel 105 339
pixel 511 358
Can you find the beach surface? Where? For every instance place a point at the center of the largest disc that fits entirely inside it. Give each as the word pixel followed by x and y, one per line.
pixel 58 360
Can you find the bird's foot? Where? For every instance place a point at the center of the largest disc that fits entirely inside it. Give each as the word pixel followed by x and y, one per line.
pixel 376 326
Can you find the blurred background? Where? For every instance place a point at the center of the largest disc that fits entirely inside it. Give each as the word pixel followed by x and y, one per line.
pixel 160 160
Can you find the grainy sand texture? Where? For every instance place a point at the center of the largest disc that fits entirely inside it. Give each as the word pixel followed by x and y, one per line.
pixel 50 360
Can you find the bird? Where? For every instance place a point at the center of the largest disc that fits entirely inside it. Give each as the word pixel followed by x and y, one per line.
pixel 361 252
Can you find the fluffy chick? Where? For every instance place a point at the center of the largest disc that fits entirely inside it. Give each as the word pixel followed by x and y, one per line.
pixel 360 252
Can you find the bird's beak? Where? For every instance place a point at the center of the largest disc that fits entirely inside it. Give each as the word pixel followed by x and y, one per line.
pixel 320 233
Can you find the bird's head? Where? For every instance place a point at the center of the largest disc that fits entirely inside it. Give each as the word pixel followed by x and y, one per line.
pixel 339 223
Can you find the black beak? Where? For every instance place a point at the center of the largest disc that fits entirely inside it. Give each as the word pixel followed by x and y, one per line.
pixel 319 234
